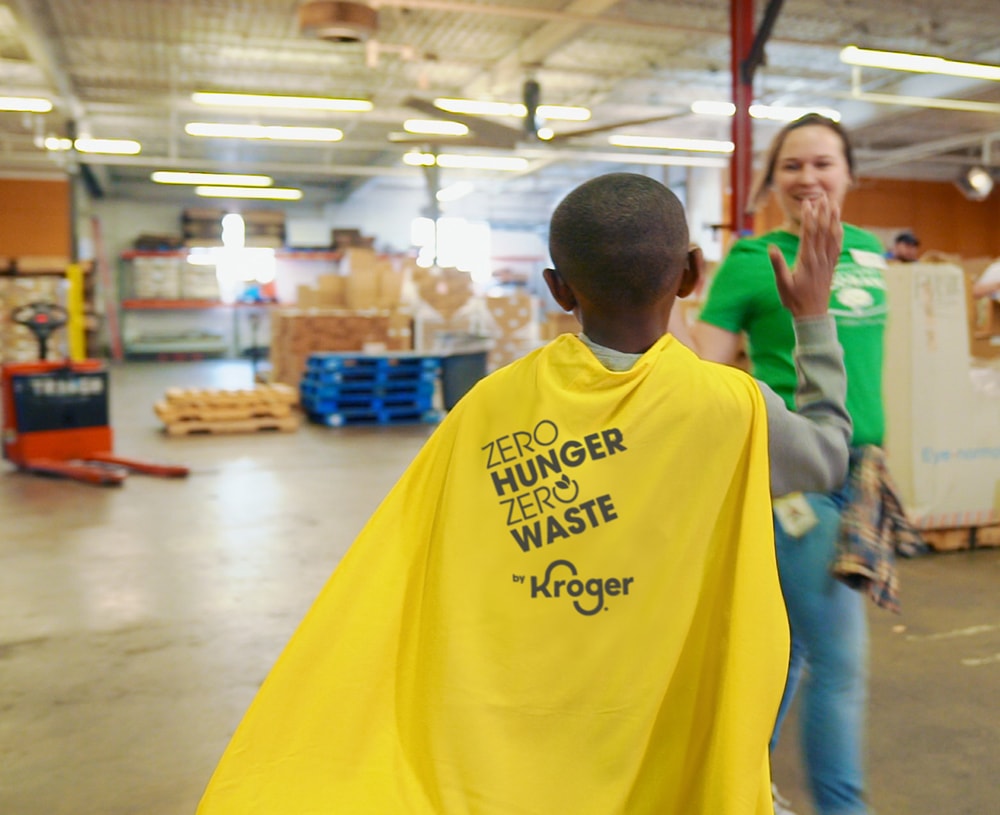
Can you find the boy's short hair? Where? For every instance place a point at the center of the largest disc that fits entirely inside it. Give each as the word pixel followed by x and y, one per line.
pixel 620 239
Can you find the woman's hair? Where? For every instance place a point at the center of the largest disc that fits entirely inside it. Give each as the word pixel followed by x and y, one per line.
pixel 766 179
pixel 621 239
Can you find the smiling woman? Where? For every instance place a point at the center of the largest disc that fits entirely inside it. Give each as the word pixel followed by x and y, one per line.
pixel 811 159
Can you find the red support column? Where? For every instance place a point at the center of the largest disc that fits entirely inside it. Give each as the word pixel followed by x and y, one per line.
pixel 741 167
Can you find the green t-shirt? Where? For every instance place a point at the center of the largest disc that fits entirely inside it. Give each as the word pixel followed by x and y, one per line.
pixel 743 297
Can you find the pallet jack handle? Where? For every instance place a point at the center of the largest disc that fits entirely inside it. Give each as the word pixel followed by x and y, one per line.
pixel 42 319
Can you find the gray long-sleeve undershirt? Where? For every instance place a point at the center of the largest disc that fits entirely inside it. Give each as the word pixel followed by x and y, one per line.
pixel 808 449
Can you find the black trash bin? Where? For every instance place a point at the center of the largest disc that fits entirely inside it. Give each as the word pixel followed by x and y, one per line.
pixel 459 372
pixel 463 364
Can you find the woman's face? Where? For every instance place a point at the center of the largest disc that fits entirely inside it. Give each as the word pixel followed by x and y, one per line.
pixel 811 163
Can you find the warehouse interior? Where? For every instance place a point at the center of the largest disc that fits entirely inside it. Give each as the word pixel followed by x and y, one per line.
pixel 139 614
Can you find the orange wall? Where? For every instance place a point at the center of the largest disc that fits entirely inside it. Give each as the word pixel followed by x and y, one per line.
pixel 34 217
pixel 937 212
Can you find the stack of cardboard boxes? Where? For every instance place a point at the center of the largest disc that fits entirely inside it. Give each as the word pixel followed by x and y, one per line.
pixel 983 312
pixel 514 326
pixel 38 279
pixel 358 309
pixel 377 303
pixel 17 343
pixel 264 228
pixel 202 226
pixel 156 277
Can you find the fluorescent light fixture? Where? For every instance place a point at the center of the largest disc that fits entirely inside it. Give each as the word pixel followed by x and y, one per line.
pixel 657 143
pixel 775 113
pixel 263 132
pixel 918 63
pixel 562 113
pixel 271 193
pixel 472 107
pixel 463 162
pixel 217 179
pixel 25 104
pixel 934 103
pixel 706 107
pixel 250 100
pixel 455 191
pixel 436 127
pixel 419 159
pixel 117 147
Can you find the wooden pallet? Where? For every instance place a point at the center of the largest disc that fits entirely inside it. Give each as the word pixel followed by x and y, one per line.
pixel 185 411
pixel 190 427
pixel 962 537
pixel 172 413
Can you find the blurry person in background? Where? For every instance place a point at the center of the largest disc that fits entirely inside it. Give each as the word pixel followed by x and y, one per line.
pixel 905 248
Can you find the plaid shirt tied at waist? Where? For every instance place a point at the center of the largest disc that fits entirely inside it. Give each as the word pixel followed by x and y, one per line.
pixel 873 529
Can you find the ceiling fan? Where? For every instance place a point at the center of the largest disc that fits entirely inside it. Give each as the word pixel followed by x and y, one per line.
pixel 484 132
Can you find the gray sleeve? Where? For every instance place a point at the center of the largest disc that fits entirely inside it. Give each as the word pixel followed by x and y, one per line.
pixel 809 449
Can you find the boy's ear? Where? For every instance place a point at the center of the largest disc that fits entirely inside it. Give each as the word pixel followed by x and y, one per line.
pixel 693 271
pixel 562 293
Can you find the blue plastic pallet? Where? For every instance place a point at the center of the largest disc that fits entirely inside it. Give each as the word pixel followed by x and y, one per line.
pixel 372 376
pixel 394 402
pixel 385 416
pixel 353 366
pixel 310 388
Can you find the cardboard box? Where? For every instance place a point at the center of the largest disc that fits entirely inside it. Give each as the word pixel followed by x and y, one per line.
pixel 984 313
pixel 347 238
pixel 198 282
pixel 297 333
pixel 446 290
pixel 331 291
pixel 40 264
pixel 156 277
pixel 942 413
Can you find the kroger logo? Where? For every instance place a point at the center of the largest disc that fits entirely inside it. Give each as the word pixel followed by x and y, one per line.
pixel 561 580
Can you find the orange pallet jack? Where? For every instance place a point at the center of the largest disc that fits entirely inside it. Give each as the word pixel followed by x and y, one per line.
pixel 55 414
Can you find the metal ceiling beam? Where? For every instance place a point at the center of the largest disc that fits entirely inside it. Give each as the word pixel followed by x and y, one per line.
pixel 925 150
pixel 581 13
pixel 574 14
pixel 534 49
pixel 44 55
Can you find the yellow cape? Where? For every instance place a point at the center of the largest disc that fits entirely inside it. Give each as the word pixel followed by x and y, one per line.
pixel 568 604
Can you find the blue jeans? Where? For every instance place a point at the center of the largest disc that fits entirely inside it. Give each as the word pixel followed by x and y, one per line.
pixel 830 640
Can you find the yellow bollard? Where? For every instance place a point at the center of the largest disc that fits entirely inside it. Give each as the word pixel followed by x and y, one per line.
pixel 75 325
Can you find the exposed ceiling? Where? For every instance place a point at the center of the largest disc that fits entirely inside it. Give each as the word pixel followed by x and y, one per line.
pixel 127 69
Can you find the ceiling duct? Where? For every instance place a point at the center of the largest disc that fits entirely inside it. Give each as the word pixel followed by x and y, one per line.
pixel 337 22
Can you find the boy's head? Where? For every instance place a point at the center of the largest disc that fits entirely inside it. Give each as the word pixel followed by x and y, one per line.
pixel 620 241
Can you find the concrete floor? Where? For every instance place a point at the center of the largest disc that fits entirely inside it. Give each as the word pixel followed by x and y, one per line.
pixel 136 622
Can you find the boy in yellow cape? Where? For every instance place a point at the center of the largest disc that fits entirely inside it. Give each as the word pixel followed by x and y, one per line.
pixel 569 602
